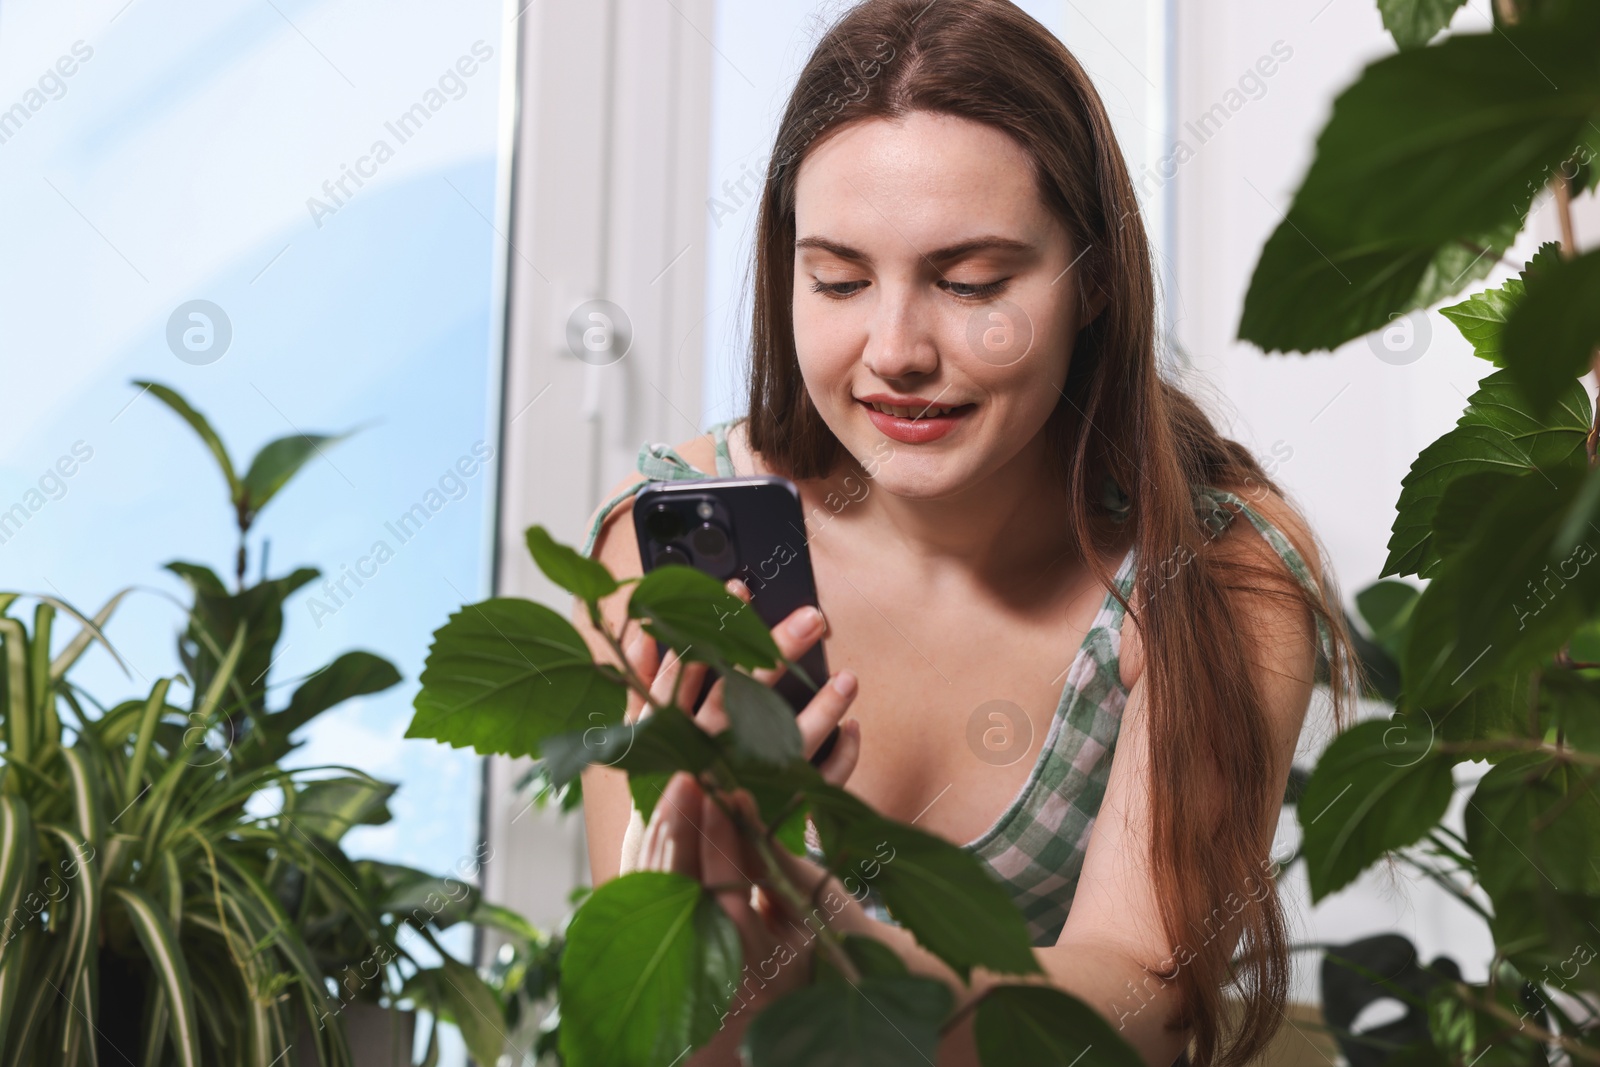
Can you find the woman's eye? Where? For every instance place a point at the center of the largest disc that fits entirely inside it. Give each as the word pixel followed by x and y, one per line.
pixel 972 290
pixel 837 290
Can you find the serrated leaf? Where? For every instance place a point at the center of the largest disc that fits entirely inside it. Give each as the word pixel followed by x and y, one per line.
pixel 1496 432
pixel 647 972
pixel 877 1021
pixel 1037 1026
pixel 1430 150
pixel 938 891
pixel 1515 602
pixel 579 575
pixel 1533 824
pixel 503 675
pixel 1551 335
pixel 693 613
pixel 762 722
pixel 1413 23
pixel 1482 317
pixel 1379 786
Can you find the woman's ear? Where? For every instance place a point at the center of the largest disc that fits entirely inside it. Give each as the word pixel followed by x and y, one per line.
pixel 1092 299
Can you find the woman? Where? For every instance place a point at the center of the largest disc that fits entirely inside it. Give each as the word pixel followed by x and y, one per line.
pixel 1053 641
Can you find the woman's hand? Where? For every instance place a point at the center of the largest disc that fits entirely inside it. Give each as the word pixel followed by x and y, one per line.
pixel 678 681
pixel 709 839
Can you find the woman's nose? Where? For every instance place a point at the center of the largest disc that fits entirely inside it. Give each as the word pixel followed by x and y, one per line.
pixel 900 341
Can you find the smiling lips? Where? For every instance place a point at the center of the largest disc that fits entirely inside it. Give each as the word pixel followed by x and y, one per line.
pixel 913 420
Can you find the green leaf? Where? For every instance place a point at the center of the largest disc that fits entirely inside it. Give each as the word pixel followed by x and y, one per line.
pixel 1533 823
pixel 279 461
pixel 1551 335
pixel 871 957
pixel 1482 317
pixel 659 744
pixel 1465 502
pixel 475 1010
pixel 693 613
pixel 1440 143
pixel 1515 602
pixel 504 675
pixel 1413 23
pixel 1315 291
pixel 172 972
pixel 330 807
pixel 1431 149
pixel 583 577
pixel 761 721
pixel 938 891
pixel 201 426
pixel 1570 702
pixel 1037 1026
pixel 647 972
pixel 1496 432
pixel 351 675
pixel 1379 786
pixel 1386 609
pixel 877 1021
pixel 18 856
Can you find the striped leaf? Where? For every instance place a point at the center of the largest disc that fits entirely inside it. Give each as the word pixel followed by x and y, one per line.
pixel 92 630
pixel 14 975
pixel 18 713
pixel 87 802
pixel 18 855
pixel 172 972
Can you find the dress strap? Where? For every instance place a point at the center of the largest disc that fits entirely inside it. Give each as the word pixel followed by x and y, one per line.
pixel 662 463
pixel 1211 500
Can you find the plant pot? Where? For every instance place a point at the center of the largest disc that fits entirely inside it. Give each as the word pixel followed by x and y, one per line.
pixel 378 1037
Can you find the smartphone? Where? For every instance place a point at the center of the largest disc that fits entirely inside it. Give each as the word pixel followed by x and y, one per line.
pixel 750 528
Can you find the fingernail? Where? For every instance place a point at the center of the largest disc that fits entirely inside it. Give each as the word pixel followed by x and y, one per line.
pixel 808 622
pixel 634 645
pixel 737 587
pixel 844 683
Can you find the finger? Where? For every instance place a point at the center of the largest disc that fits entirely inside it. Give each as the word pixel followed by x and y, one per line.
pixel 641 656
pixel 725 862
pixel 825 711
pixel 667 679
pixel 841 762
pixel 713 715
pixel 737 587
pixel 672 841
pixel 794 637
pixel 691 675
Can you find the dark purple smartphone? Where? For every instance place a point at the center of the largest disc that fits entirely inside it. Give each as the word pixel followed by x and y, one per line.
pixel 749 528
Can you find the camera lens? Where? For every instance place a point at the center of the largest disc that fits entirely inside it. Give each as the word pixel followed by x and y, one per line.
pixel 672 554
pixel 663 523
pixel 709 540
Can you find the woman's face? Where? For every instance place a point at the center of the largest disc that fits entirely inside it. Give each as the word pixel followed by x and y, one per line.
pixel 935 299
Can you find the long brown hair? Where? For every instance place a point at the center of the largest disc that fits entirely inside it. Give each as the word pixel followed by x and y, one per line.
pixel 988 61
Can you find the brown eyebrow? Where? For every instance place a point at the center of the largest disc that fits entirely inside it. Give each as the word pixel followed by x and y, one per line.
pixel 943 255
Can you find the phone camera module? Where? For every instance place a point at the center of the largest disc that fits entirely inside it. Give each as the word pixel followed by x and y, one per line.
pixel 709 541
pixel 672 555
pixel 663 523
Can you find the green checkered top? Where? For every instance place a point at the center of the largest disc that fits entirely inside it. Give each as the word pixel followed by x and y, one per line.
pixel 1036 847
